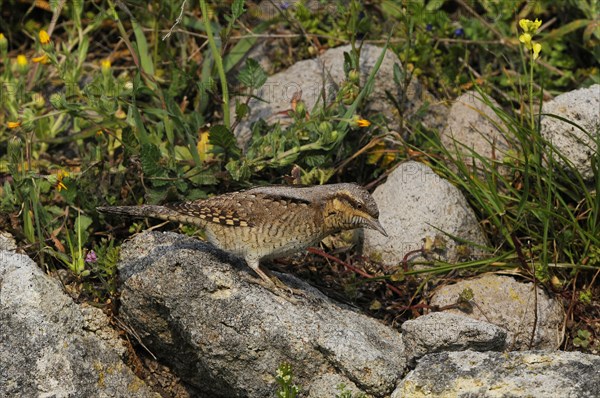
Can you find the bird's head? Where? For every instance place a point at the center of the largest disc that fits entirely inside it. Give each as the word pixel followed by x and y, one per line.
pixel 350 206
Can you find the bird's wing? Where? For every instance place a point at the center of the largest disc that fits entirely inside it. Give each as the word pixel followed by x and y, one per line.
pixel 219 210
pixel 290 194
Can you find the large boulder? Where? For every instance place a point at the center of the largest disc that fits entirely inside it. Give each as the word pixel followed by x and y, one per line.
pixel 444 331
pixel 51 347
pixel 581 107
pixel 202 312
pixel 416 204
pixel 473 128
pixel 511 305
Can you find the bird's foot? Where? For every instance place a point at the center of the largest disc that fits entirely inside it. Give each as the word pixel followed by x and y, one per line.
pixel 279 288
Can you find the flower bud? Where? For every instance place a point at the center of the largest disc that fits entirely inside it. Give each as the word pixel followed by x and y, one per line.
pixel 105 67
pixel 3 44
pixel 22 65
pixel 38 101
pixel 300 108
pixel 45 40
pixel 120 114
pixel 58 101
pixel 354 76
pixel 325 127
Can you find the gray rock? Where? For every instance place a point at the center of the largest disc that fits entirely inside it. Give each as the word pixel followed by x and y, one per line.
pixel 443 331
pixel 537 374
pixel 327 72
pixel 509 304
pixel 330 385
pixel 472 127
pixel 583 108
pixel 51 348
pixel 414 204
pixel 203 313
pixel 7 242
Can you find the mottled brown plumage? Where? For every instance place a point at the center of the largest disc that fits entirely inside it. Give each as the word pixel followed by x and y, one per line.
pixel 268 222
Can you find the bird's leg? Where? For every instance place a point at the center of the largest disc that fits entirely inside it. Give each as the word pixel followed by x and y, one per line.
pixel 271 282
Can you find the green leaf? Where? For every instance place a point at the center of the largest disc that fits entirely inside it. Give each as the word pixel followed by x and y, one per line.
pixel 135 119
pixel 28 229
pixel 82 223
pixel 129 140
pixel 252 75
pixel 202 177
pixel 83 50
pixel 315 160
pixel 241 110
pixel 8 198
pixel 142 47
pixel 150 160
pixel 195 194
pixel 154 196
pixel 181 185
pixel 239 170
pixel 237 8
pixel 222 137
pixel 568 28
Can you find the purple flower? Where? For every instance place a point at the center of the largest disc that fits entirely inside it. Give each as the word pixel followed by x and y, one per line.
pixel 91 257
pixel 459 32
pixel 284 5
pixel 429 27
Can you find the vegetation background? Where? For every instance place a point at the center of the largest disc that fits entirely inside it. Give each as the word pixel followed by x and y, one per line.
pixel 125 102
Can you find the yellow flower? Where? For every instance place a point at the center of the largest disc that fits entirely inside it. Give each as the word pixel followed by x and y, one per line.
pixel 3 43
pixel 381 155
pixel 13 125
pixel 529 26
pixel 44 37
pixel 59 178
pixel 21 60
pixel 537 47
pixel 204 147
pixel 363 123
pixel 22 66
pixel 42 59
pixel 105 66
pixel 525 38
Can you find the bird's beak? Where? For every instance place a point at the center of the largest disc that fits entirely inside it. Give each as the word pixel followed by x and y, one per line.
pixel 374 223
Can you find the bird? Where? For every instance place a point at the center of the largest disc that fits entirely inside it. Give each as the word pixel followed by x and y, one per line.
pixel 268 222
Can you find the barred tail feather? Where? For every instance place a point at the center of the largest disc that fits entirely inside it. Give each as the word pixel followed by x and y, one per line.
pixel 152 211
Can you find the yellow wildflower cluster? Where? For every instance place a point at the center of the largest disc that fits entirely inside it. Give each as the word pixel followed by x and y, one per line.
pixel 44 37
pixel 62 174
pixel 529 29
pixel 358 121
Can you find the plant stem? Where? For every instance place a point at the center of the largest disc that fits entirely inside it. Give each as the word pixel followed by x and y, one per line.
pixel 218 62
pixel 531 116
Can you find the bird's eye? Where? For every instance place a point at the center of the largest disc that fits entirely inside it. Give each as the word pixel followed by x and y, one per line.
pixel 359 206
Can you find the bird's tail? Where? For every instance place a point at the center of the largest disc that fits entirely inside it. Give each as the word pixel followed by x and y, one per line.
pixel 152 211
